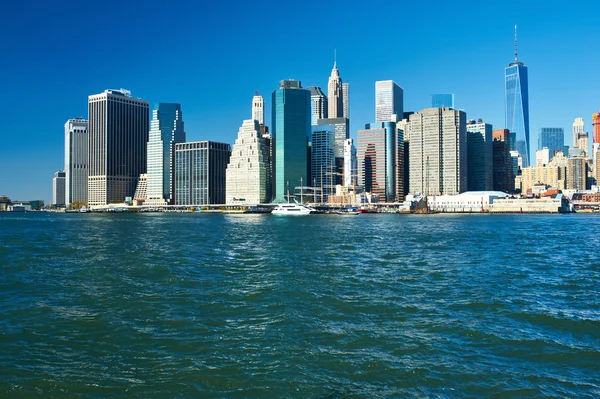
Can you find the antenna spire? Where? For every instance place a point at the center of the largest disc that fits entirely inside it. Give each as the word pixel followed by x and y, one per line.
pixel 334 57
pixel 516 49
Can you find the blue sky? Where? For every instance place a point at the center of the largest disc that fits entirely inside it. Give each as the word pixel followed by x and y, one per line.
pixel 212 56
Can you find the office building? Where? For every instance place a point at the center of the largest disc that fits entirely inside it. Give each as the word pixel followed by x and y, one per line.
pixel 389 100
pixel 577 172
pixel 118 137
pixel 442 101
pixel 583 143
pixel 335 94
pixel 322 159
pixel 318 104
pixel 141 190
pixel 480 169
pixel 502 162
pixel 58 189
pixel 516 89
pixel 578 127
pixel 381 160
pixel 291 133
pixel 342 133
pixel 438 152
pixel 258 108
pixel 247 176
pixel 166 130
pixel 346 101
pixel 350 164
pixel 542 157
pixel 76 160
pixel 596 127
pixel 552 138
pixel 200 169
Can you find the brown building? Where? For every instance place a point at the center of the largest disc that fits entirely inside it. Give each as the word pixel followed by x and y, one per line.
pixel 502 161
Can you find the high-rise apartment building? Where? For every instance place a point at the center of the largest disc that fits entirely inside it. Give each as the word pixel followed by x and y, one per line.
pixel 480 169
pixel 200 169
pixel 291 133
pixel 516 90
pixel 442 101
pixel 350 164
pixel 258 108
pixel 583 143
pixel 318 104
pixel 322 160
pixel 58 189
pixel 577 171
pixel 438 152
pixel 247 177
pixel 118 137
pixel 389 100
pixel 346 101
pixel 381 160
pixel 502 162
pixel 578 127
pixel 552 138
pixel 542 157
pixel 166 130
pixel 76 160
pixel 335 94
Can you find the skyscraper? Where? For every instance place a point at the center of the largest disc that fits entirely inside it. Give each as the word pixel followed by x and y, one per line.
pixel 342 132
pixel 76 160
pixel 322 159
pixel 345 101
pixel 166 130
pixel 596 144
pixel 596 126
pixel 442 101
pixel 318 104
pixel 247 176
pixel 291 133
pixel 258 108
pixel 389 100
pixel 438 152
pixel 58 188
pixel 517 105
pixel 552 138
pixel 200 169
pixel 583 143
pixel 502 162
pixel 118 136
pixel 350 164
pixel 578 127
pixel 335 94
pixel 480 174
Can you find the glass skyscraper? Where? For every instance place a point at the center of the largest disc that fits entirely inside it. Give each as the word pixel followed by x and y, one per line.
pixel 442 101
pixel 291 133
pixel 552 138
pixel 516 96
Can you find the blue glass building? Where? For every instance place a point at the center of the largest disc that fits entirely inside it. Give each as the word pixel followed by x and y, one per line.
pixel 442 101
pixel 552 138
pixel 291 118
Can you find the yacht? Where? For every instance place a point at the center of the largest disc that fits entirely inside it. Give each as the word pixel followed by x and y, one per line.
pixel 291 209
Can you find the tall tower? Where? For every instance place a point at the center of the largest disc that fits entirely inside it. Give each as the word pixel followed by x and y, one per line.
pixel 389 100
pixel 345 101
pixel 258 108
pixel 166 130
pixel 335 93
pixel 58 188
pixel 118 126
pixel 578 128
pixel 318 104
pixel 516 95
pixel 596 126
pixel 76 160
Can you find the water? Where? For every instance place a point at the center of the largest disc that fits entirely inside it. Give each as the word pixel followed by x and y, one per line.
pixel 249 306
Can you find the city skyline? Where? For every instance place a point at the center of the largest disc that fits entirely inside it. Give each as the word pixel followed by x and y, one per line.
pixel 478 85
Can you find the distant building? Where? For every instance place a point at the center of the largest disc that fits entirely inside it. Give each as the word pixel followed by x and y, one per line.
pixel 442 101
pixel 322 159
pixel 389 100
pixel 381 160
pixel 166 130
pixel 438 152
pixel 502 162
pixel 480 167
pixel 577 172
pixel 335 93
pixel 76 160
pixel 552 138
pixel 118 136
pixel 291 133
pixel 200 172
pixel 596 127
pixel 318 104
pixel 258 108
pixel 247 176
pixel 583 143
pixel 350 164
pixel 554 174
pixel 342 133
pixel 542 157
pixel 578 128
pixel 346 101
pixel 58 188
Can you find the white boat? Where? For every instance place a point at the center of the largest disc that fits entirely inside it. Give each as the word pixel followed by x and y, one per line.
pixel 291 209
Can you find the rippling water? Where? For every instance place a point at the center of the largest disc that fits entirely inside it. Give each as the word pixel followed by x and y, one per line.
pixel 249 306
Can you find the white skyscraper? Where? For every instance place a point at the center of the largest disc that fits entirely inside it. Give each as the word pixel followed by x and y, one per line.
pixel 166 130
pixel 578 128
pixel 335 94
pixel 58 189
pixel 76 160
pixel 438 152
pixel 247 176
pixel 258 108
pixel 389 100
pixel 350 164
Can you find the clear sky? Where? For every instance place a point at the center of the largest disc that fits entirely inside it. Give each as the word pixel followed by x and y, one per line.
pixel 212 56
